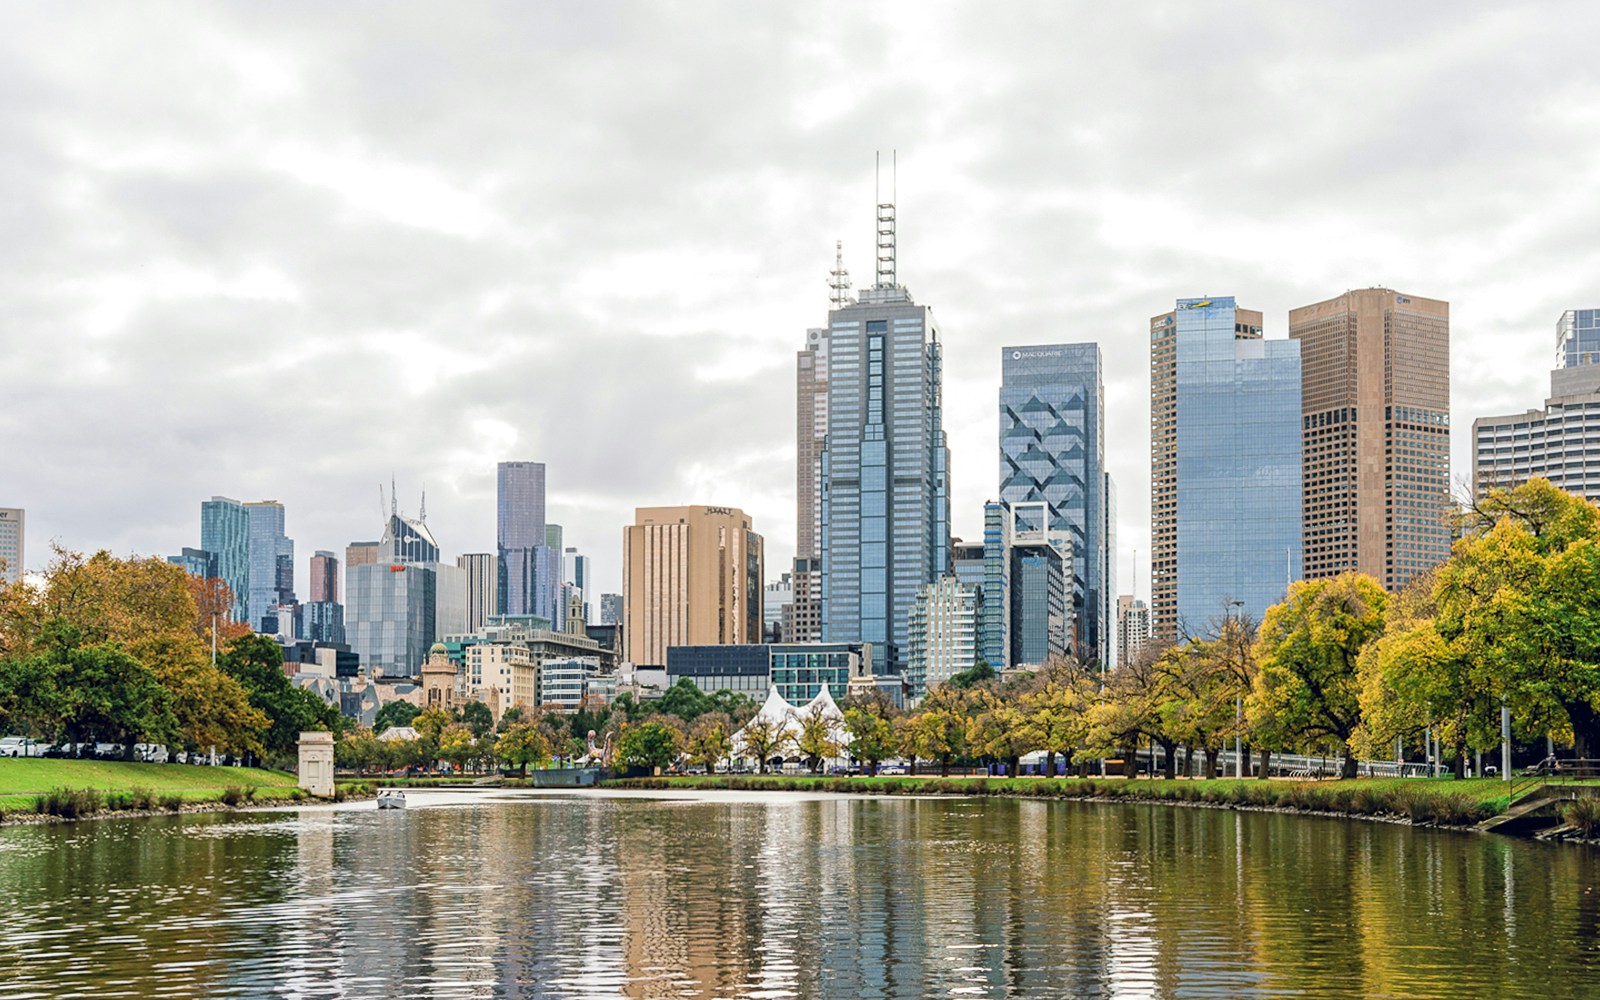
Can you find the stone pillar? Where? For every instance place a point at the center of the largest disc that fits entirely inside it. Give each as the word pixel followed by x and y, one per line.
pixel 316 764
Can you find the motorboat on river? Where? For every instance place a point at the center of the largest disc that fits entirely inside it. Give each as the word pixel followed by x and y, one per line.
pixel 391 798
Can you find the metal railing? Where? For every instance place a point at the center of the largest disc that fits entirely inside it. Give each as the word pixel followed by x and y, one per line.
pixel 1554 770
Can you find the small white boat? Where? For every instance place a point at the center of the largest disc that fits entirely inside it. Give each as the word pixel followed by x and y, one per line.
pixel 391 798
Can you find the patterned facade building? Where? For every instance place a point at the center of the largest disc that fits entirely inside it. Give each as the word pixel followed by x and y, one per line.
pixel 691 576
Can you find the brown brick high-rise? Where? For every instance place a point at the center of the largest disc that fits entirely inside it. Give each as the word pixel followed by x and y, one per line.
pixel 1375 403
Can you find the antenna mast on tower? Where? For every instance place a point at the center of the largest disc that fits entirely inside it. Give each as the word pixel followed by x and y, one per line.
pixel 886 241
pixel 422 512
pixel 839 278
pixel 394 498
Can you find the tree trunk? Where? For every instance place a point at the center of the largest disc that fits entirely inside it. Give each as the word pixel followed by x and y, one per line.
pixel 1458 763
pixel 944 767
pixel 761 765
pixel 1130 764
pixel 1212 756
pixel 1169 761
pixel 1585 729
pixel 1266 761
pixel 1049 763
pixel 1013 765
pixel 1348 769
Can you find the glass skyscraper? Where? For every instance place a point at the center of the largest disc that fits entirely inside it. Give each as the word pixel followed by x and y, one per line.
pixel 225 533
pixel 1225 467
pixel 885 492
pixel 520 535
pixel 1052 449
pixel 270 581
pixel 1578 338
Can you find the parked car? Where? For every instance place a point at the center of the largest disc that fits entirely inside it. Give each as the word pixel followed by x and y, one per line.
pixel 19 746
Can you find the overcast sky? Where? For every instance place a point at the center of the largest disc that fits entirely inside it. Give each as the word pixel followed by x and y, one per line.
pixel 283 251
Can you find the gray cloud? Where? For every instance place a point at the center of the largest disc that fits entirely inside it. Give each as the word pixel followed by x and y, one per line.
pixel 285 251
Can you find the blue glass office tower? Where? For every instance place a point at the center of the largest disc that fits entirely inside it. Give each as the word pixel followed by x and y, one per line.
pixel 530 571
pixel 1578 338
pixel 885 467
pixel 271 576
pixel 1052 449
pixel 225 533
pixel 1225 470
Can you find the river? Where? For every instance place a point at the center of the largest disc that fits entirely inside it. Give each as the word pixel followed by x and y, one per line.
pixel 770 895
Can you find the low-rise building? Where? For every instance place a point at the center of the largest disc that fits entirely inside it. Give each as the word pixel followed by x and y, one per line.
pixel 798 669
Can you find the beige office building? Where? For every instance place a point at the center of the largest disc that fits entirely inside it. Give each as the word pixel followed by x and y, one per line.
pixel 691 576
pixel 803 619
pixel 1375 404
pixel 13 524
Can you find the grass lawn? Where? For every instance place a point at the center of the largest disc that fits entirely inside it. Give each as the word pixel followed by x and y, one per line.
pixel 26 776
pixel 1442 801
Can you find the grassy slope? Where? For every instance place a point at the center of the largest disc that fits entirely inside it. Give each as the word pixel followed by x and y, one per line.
pixel 31 775
pixel 1440 800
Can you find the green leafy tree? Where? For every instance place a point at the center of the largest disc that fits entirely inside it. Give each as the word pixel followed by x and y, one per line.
pixel 710 741
pixel 110 696
pixel 509 718
pixel 357 748
pixel 522 744
pixel 685 700
pixel 1307 692
pixel 652 743
pixel 978 673
pixel 871 736
pixel 939 730
pixel 478 718
pixel 394 713
pixel 256 662
pixel 457 744
pixel 208 708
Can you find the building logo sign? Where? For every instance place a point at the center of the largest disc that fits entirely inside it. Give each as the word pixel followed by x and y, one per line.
pixel 725 512
pixel 1019 355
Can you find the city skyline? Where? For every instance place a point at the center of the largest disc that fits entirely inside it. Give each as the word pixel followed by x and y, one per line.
pixel 1021 227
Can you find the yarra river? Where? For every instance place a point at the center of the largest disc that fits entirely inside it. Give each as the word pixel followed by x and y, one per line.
pixel 778 895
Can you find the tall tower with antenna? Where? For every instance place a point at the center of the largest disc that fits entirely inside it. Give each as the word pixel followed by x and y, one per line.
pixel 882 476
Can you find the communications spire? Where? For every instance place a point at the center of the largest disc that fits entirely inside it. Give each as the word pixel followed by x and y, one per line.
pixel 839 278
pixel 886 235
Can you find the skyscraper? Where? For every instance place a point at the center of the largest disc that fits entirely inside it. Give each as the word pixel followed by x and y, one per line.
pixel 885 465
pixel 1561 442
pixel 941 634
pixel 811 432
pixel 270 579
pixel 225 533
pixel 1375 419
pixel 1040 567
pixel 1052 449
pixel 401 604
pixel 1133 628
pixel 13 522
pixel 611 609
pixel 482 578
pixel 691 576
pixel 1224 466
pixel 324 576
pixel 522 550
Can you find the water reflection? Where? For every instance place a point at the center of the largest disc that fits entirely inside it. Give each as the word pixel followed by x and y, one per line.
pixel 776 896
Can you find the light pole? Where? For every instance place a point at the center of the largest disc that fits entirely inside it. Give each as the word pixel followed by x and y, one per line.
pixel 1238 701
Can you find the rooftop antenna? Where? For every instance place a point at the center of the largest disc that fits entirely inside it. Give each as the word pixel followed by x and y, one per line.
pixel 383 501
pixel 839 278
pixel 422 512
pixel 886 243
pixel 394 498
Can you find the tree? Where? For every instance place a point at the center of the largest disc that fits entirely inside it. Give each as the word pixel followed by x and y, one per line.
pixel 509 718
pixel 394 713
pixel 358 748
pixel 478 718
pixel 817 740
pixel 109 696
pixel 977 674
pixel 256 662
pixel 939 730
pixel 208 708
pixel 999 730
pixel 1307 691
pixel 457 744
pixel 871 736
pixel 764 739
pixel 710 741
pixel 522 744
pixel 685 700
pixel 653 743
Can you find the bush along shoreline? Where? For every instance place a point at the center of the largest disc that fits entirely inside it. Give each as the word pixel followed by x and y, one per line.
pixel 1410 801
pixel 62 805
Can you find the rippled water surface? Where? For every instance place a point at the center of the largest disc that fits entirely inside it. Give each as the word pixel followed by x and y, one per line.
pixel 599 895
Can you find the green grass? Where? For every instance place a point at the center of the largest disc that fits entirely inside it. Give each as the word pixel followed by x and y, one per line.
pixel 26 781
pixel 1435 801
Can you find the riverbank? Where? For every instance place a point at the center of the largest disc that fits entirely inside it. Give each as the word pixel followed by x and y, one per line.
pixel 1440 802
pixel 44 790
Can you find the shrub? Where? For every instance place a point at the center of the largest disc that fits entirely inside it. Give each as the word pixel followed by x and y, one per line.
pixel 172 802
pixel 69 803
pixel 232 796
pixel 142 798
pixel 1584 815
